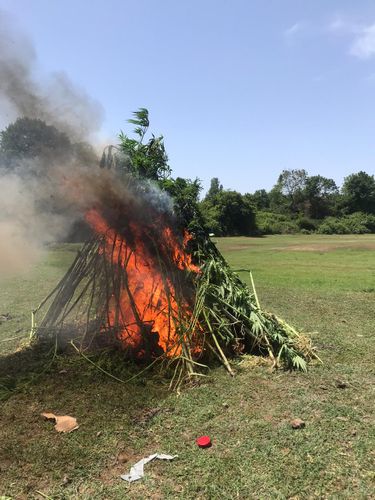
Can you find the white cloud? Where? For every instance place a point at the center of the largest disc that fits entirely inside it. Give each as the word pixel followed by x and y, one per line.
pixel 338 25
pixel 363 45
pixel 293 30
pixel 341 26
pixel 361 37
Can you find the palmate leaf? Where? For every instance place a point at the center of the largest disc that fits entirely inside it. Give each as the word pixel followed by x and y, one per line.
pixel 139 131
pixel 141 118
pixel 299 363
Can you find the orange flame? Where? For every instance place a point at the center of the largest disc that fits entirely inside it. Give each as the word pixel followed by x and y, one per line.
pixel 145 312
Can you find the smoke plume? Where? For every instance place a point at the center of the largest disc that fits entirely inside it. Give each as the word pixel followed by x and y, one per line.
pixel 35 203
pixel 55 99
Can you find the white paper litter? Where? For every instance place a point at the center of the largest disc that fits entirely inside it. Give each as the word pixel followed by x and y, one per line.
pixel 136 471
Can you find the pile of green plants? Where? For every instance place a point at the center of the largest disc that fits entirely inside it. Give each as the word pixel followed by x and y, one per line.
pixel 210 313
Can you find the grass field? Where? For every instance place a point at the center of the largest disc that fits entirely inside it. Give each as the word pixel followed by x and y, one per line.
pixel 322 284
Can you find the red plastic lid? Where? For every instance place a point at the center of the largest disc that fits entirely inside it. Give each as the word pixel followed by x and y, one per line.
pixel 204 442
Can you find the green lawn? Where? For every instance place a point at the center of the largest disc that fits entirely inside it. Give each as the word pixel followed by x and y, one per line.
pixel 322 284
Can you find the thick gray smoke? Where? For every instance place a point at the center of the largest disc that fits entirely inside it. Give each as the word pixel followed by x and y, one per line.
pixel 34 208
pixel 24 227
pixel 56 100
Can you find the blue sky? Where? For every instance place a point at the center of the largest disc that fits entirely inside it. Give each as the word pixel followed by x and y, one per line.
pixel 240 89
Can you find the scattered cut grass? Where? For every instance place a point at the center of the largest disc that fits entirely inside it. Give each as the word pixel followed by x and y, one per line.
pixel 255 453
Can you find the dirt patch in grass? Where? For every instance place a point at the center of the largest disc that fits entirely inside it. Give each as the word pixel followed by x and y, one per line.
pixel 233 248
pixel 241 246
pixel 124 459
pixel 323 247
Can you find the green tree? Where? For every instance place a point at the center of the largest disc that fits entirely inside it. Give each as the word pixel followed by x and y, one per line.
pixel 215 189
pixel 359 193
pixel 229 214
pixel 279 203
pixel 260 199
pixel 29 138
pixel 292 184
pixel 185 195
pixel 320 196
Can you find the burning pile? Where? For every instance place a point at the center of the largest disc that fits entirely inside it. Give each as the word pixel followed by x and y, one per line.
pixel 159 293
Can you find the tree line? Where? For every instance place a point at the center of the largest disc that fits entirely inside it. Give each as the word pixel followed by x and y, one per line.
pixel 297 202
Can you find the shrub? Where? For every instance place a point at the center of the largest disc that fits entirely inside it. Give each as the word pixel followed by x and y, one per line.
pixel 356 223
pixel 270 223
pixel 229 213
pixel 307 224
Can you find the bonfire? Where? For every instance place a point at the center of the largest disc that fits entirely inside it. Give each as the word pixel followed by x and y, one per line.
pixel 146 285
pixel 160 293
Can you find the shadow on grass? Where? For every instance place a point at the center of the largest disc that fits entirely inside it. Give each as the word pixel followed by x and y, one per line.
pixel 46 363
